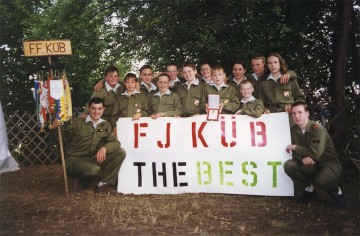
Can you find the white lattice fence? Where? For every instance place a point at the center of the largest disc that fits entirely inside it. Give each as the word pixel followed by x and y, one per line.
pixel 27 144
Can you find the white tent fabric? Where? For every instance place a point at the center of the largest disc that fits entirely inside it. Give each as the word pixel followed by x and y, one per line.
pixel 7 162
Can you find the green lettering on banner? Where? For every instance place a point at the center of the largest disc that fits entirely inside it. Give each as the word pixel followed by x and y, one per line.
pixel 207 171
pixel 227 172
pixel 244 171
pixel 274 164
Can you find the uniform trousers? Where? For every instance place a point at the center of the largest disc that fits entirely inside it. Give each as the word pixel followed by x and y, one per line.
pixel 324 176
pixel 87 169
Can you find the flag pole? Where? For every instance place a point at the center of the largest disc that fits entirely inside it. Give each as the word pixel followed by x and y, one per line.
pixel 61 149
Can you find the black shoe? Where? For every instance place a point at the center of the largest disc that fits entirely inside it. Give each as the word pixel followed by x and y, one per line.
pixel 338 198
pixel 305 197
pixel 340 201
pixel 104 188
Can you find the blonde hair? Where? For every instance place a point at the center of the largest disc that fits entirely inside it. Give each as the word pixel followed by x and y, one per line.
pixel 245 82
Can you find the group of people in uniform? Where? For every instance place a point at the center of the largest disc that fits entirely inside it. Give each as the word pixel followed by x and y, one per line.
pixel 94 152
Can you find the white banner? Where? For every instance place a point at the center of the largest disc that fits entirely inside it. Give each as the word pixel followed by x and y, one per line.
pixel 236 155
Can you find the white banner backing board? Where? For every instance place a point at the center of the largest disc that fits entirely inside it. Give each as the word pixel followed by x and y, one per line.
pixel 236 155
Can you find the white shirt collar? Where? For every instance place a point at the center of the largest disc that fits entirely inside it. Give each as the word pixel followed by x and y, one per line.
pixel 220 86
pixel 255 76
pixel 206 81
pixel 108 87
pixel 128 94
pixel 172 82
pixel 252 98
pixel 271 77
pixel 152 86
pixel 168 92
pixel 237 83
pixel 194 82
pixel 88 119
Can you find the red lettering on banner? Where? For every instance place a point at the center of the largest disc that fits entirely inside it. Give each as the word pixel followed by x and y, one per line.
pixel 199 135
pixel 261 133
pixel 233 129
pixel 137 134
pixel 167 144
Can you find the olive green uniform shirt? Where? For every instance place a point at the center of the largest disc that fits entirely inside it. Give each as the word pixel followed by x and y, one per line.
pixel 169 104
pixel 254 108
pixel 227 96
pixel 315 143
pixel 191 99
pixel 257 81
pixel 83 140
pixel 127 106
pixel 145 91
pixel 174 85
pixel 276 95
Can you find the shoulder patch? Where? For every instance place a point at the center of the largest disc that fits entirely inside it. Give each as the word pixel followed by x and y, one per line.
pixel 315 126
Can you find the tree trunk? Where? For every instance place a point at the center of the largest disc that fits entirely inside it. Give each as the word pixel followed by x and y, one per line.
pixel 338 79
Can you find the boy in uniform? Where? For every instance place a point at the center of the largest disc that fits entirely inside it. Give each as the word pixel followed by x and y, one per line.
pixel 109 91
pixel 249 105
pixel 277 96
pixel 205 71
pixel 238 72
pixel 131 103
pixel 146 86
pixel 164 102
pixel 175 80
pixel 228 99
pixel 258 64
pixel 191 91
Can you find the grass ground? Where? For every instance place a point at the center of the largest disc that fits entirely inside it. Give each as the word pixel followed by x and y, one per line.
pixel 33 202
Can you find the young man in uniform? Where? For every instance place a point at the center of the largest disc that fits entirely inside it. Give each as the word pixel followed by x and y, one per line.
pixel 258 64
pixel 191 91
pixel 205 71
pixel 315 162
pixel 278 96
pixel 238 75
pixel 92 150
pixel 146 85
pixel 109 91
pixel 175 80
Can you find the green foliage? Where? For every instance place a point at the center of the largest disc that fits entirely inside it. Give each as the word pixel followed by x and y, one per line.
pixel 104 32
pixel 15 69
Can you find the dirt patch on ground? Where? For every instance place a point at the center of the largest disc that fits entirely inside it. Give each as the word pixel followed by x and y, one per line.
pixel 33 202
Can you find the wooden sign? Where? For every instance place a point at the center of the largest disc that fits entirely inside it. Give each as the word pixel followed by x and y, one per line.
pixel 47 48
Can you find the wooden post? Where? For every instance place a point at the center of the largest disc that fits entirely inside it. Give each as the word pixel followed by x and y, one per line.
pixel 42 48
pixel 61 150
